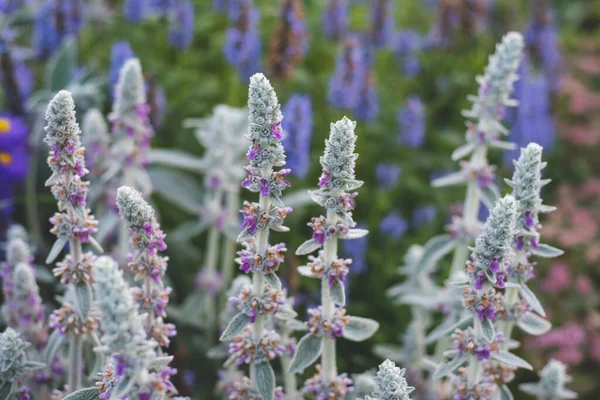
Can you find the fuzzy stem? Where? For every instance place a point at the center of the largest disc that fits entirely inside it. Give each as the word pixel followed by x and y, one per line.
pixel 228 251
pixel 75 362
pixel 511 297
pixel 418 314
pixel 289 379
pixel 328 362
pixel 474 364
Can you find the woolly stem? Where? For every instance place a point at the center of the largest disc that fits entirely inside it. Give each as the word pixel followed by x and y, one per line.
pixel 229 246
pixel 210 263
pixel 474 364
pixel 75 362
pixel 289 379
pixel 511 297
pixel 328 365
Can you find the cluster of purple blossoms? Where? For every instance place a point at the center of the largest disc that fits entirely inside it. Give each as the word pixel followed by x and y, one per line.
pixel 55 21
pixel 67 319
pixel 407 44
pixel 16 77
pixel 393 225
pixel 467 342
pixel 297 128
pixel 411 118
pixel 267 304
pixel 334 272
pixel 338 388
pixel 113 375
pixel 357 251
pixel 387 174
pixel 458 17
pixel 181 26
pixel 463 391
pixel 242 43
pixel 13 156
pixel 267 263
pixel 272 186
pixel 382 22
pixel 322 231
pixel 146 263
pixel 422 215
pixel 333 328
pixel 290 40
pixel 335 19
pixel 248 351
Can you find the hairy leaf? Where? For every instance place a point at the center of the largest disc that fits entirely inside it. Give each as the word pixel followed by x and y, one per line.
pixel 54 344
pixel 235 327
pixel 308 350
pixel 359 329
pixel 307 247
pixel 533 324
pixel 510 359
pixel 83 294
pixel 449 367
pixel 91 393
pixel 265 378
pixel 337 293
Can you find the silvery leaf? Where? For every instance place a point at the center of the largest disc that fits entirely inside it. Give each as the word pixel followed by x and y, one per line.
pixel 299 198
pixel 393 352
pixel 285 311
pixel 277 201
pixel 178 188
pixel 176 159
pixel 265 378
pixel 305 270
pixel 235 327
pixel 356 233
pixel 489 195
pixel 160 363
pixel 487 329
pixel 463 151
pixel 505 393
pixel 533 324
pixel 337 293
pixel 308 247
pixel 83 294
pixel 454 178
pixel 435 248
pixel 5 389
pixel 57 247
pixel 460 284
pixel 33 365
pixel 500 144
pixel 273 280
pixel 91 393
pixel 449 367
pixel 307 352
pixel 188 230
pixel 55 342
pixel 443 330
pixel 244 236
pixel 544 209
pixel 531 299
pixel 547 251
pixel 510 359
pixel 360 329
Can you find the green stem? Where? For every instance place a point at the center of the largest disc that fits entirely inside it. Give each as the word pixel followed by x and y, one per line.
pixel 75 362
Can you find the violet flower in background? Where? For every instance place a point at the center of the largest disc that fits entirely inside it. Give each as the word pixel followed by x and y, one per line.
pixel 242 42
pixel 120 52
pixel 368 100
pixel 422 215
pixel 411 118
pixel 297 129
pixel 382 22
pixel 15 76
pixel 393 225
pixel 346 82
pixel 387 174
pixel 290 39
pixel 13 158
pixel 407 43
pixel 335 19
pixel 54 22
pixel 181 25
pixel 357 251
pixel 134 10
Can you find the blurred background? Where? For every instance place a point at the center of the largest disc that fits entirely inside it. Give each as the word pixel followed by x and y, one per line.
pixel 416 62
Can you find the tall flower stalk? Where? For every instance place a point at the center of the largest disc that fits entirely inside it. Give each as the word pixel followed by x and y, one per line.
pixel 74 224
pixel 147 264
pixel 329 321
pixel 252 342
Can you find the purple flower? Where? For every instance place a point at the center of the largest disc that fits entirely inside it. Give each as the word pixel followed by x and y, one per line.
pixel 289 43
pixel 242 42
pixel 411 118
pixel 423 215
pixel 408 43
pixel 482 351
pixel 16 78
pixel 356 249
pixel 55 21
pixel 335 19
pixel 487 311
pixel 134 10
pixel 346 84
pixel 13 156
pixel 387 174
pixel 120 52
pixel 393 225
pixel 297 127
pixel 181 27
pixel 382 22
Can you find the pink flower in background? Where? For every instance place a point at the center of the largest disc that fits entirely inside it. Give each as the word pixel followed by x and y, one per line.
pixel 583 285
pixel 558 279
pixel 567 342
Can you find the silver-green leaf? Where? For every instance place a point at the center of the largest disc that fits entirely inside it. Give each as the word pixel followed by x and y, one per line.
pixel 53 345
pixel 308 350
pixel 510 359
pixel 360 329
pixel 308 247
pixel 533 324
pixel 546 251
pixel 83 294
pixel 265 378
pixel 337 293
pixel 531 299
pixel 91 393
pixel 449 367
pixel 487 329
pixel 235 327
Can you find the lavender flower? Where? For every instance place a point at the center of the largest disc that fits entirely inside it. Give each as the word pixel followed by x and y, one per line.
pixel 387 174
pixel 357 251
pixel 347 81
pixel 147 239
pixel 382 22
pixel 290 40
pixel 407 44
pixel 119 54
pixel 13 156
pixel 297 128
pixel 16 78
pixel 393 225
pixel 411 118
pixel 54 22
pixel 335 19
pixel 242 42
pixel 181 27
pixel 134 10
pixel 339 387
pixel 422 215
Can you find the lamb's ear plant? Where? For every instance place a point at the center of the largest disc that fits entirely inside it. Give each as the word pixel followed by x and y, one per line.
pixel 147 264
pixel 391 383
pixel 252 343
pixel 329 321
pixel 14 365
pixel 73 224
pixel 551 385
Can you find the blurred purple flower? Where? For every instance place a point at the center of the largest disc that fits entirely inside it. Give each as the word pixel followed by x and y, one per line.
pixel 55 21
pixel 13 156
pixel 356 249
pixel 16 78
pixel 465 17
pixel 387 174
pixel 161 7
pixel 382 22
pixel 181 26
pixel 297 127
pixel 289 43
pixel 407 44
pixel 134 10
pixel 423 215
pixel 346 82
pixel 335 19
pixel 120 52
pixel 411 118
pixel 157 100
pixel 393 225
pixel 242 43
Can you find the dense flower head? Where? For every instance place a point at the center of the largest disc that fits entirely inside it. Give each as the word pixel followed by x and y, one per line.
pixel 382 22
pixel 323 231
pixel 367 107
pixel 74 271
pixel 462 390
pixel 411 118
pixel 333 328
pixel 496 85
pixel 270 186
pixel 335 19
pixel 251 305
pixel 13 359
pixel 493 246
pixel 96 140
pixel 248 351
pixel 468 342
pixel 290 39
pixel 209 281
pixel 498 373
pixel 242 46
pixel 65 226
pixel 267 263
pixel 391 383
pixel 67 319
pixel 122 326
pixel 337 270
pixel 141 220
pixel 23 308
pixel 484 305
pixel 181 26
pixel 255 218
pixel 297 129
pixel 336 389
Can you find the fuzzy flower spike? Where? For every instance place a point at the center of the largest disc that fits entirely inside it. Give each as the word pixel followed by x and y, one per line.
pixel 14 365
pixel 251 343
pixel 329 321
pixel 552 383
pixel 391 383
pixel 73 224
pixel 146 263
